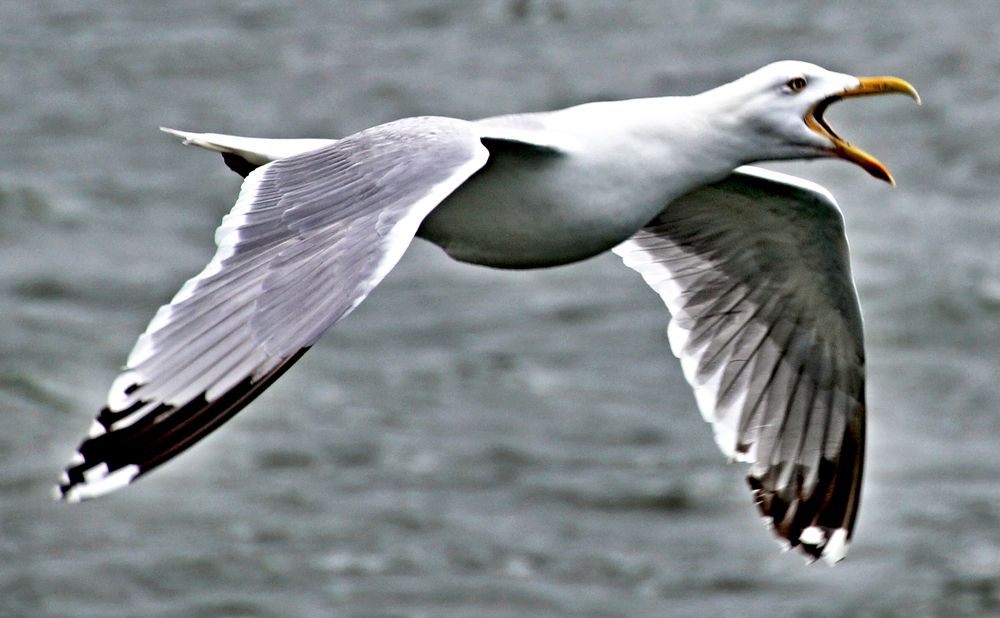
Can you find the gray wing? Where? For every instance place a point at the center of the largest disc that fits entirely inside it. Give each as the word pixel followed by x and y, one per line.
pixel 309 237
pixel 754 270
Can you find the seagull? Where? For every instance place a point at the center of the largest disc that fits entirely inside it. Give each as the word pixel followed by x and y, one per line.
pixel 752 265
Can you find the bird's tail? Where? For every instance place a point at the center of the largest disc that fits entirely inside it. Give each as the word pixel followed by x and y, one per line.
pixel 244 154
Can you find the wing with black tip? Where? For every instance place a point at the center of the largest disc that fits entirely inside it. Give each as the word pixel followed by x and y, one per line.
pixel 309 237
pixel 765 321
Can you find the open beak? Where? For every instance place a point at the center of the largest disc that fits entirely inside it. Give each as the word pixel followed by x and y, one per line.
pixel 840 148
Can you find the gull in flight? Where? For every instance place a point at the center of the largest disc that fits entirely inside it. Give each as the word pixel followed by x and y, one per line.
pixel 752 265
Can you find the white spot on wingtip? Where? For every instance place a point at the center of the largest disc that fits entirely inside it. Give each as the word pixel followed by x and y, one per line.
pixel 813 535
pixel 105 483
pixel 76 459
pixel 96 429
pixel 131 419
pixel 96 473
pixel 836 547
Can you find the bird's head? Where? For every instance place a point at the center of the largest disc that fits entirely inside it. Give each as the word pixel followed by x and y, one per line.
pixel 783 104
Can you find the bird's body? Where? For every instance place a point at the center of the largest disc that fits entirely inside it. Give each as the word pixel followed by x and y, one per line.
pixel 569 196
pixel 752 265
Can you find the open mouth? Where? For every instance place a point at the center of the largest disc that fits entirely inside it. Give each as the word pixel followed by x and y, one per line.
pixel 867 86
pixel 816 115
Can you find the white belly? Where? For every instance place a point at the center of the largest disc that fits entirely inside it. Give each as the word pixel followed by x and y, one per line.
pixel 530 208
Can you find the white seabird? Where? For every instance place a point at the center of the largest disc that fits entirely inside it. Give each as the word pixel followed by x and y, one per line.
pixel 752 265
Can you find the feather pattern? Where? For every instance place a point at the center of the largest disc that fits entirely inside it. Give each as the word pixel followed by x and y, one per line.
pixel 765 321
pixel 309 237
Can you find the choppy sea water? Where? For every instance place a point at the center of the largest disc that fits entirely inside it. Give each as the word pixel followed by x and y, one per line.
pixel 472 442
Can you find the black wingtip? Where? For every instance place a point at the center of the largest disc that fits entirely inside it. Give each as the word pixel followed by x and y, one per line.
pixel 822 524
pixel 112 457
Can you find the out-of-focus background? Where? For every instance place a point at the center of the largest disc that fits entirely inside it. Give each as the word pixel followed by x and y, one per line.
pixel 473 442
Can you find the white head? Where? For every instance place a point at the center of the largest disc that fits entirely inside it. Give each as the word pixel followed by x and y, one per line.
pixel 780 109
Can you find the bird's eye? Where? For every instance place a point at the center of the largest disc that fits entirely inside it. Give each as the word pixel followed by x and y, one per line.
pixel 796 84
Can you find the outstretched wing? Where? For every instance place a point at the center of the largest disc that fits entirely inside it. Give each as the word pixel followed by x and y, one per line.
pixel 754 270
pixel 310 236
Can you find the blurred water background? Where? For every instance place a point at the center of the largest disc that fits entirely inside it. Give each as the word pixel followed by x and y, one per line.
pixel 473 442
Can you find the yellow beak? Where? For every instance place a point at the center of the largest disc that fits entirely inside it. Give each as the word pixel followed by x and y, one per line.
pixel 866 86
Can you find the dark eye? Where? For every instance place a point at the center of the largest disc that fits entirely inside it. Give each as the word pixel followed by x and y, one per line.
pixel 796 84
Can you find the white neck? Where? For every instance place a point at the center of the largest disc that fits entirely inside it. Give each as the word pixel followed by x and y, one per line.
pixel 681 142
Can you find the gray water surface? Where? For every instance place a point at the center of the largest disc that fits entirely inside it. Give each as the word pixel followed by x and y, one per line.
pixel 472 442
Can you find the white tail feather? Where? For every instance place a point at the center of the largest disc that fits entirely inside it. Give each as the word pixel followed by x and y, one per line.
pixel 256 150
